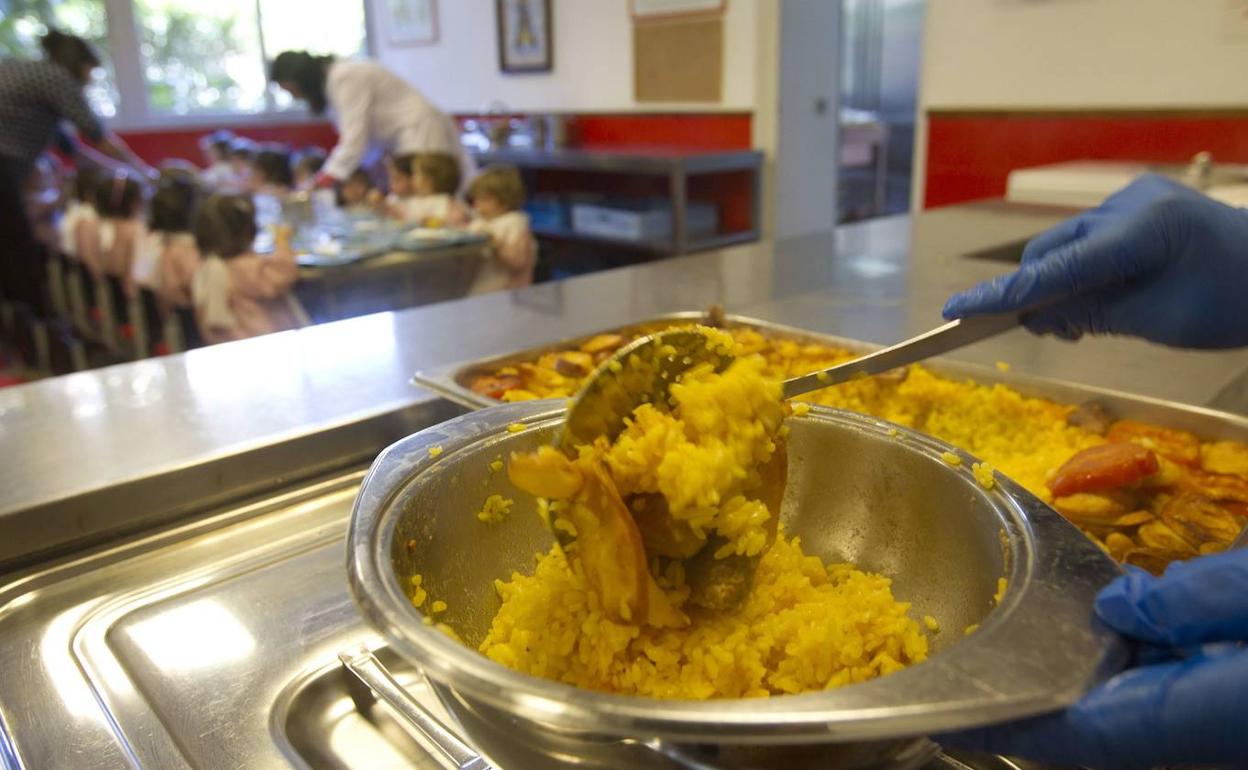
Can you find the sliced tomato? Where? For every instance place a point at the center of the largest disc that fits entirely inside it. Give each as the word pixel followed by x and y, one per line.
pixel 495 387
pixel 1103 467
pixel 1176 445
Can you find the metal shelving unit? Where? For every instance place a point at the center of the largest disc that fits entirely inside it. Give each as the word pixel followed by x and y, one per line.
pixel 677 166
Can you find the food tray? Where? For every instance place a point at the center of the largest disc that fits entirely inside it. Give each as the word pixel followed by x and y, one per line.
pixel 451 381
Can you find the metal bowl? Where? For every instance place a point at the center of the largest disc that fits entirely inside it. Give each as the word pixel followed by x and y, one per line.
pixel 860 490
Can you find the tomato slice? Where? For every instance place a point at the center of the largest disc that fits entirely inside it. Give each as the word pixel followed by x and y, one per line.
pixel 1176 445
pixel 1103 467
pixel 495 387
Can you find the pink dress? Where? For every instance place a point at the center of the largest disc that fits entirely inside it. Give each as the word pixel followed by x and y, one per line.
pixel 246 296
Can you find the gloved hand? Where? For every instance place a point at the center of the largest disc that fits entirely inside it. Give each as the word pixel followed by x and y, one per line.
pixel 1156 260
pixel 1187 698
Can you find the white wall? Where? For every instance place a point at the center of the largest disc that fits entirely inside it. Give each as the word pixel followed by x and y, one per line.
pixel 987 54
pixel 593 59
pixel 1079 54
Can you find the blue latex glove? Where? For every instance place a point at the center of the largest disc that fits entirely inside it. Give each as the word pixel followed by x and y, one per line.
pixel 1187 699
pixel 1156 260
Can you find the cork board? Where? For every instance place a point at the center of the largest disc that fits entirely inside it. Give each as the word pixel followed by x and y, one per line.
pixel 678 60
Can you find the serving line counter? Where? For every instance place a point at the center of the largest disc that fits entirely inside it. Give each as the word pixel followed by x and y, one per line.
pixel 204 632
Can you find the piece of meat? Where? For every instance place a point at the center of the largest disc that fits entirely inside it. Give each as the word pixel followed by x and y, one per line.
pixel 1118 545
pixel 715 316
pixel 1198 520
pixel 496 386
pixel 1103 467
pixel 607 539
pixel 1160 536
pixel 1154 560
pixel 1230 457
pixel 1092 416
pixel 546 472
pixel 574 363
pixel 614 556
pixel 1237 508
pixel 1216 486
pixel 602 343
pixel 1177 445
pixel 1133 519
pixel 1095 508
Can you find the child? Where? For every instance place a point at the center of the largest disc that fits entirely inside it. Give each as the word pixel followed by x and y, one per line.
pixel 422 190
pixel 497 195
pixel 168 258
pixel 356 192
pixel 118 202
pixel 236 292
pixel 81 206
pixel 271 173
pixel 307 163
pixel 242 150
pixel 216 148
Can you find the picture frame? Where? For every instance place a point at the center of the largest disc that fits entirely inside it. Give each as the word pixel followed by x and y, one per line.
pixel 525 42
pixel 410 22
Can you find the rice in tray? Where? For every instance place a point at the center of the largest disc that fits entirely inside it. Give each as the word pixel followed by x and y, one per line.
pixel 1192 501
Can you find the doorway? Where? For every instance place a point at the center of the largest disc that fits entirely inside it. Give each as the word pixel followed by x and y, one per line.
pixel 880 55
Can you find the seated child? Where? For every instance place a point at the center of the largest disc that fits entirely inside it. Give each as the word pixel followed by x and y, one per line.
pixel 119 203
pixel 81 206
pixel 308 162
pixel 356 193
pixel 271 172
pixel 422 190
pixel 236 292
pixel 497 195
pixel 167 258
pixel 242 150
pixel 216 147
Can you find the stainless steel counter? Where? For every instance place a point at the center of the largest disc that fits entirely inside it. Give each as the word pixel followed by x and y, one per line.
pixel 250 416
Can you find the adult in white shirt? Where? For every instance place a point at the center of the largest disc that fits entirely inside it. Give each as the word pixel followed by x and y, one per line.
pixel 372 107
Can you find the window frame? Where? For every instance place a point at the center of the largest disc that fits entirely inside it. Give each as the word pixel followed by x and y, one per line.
pixel 134 112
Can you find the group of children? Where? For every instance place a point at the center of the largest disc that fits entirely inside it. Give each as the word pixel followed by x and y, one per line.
pixel 192 248
pixel 424 190
pixel 189 240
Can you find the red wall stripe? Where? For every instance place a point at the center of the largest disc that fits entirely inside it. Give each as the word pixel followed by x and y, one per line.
pixel 970 155
pixel 698 131
pixel 155 146
pixel 705 131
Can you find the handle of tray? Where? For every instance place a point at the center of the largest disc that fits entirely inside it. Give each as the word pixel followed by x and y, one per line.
pixel 364 665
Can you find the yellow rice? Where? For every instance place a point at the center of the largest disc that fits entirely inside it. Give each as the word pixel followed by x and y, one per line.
pixel 494 509
pixel 804 626
pixel 1023 437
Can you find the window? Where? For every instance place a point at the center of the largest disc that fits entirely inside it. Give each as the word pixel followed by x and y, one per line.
pixel 202 57
pixel 23 22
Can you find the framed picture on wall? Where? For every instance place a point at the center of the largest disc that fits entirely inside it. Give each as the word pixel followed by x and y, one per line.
pixel 524 40
pixel 411 22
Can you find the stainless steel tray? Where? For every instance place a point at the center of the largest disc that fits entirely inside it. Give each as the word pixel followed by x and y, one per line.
pixel 451 381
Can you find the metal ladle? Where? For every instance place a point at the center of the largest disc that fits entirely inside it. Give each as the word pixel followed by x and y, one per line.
pixel 644 370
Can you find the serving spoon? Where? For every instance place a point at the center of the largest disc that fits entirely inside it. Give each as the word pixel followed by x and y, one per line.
pixel 643 372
